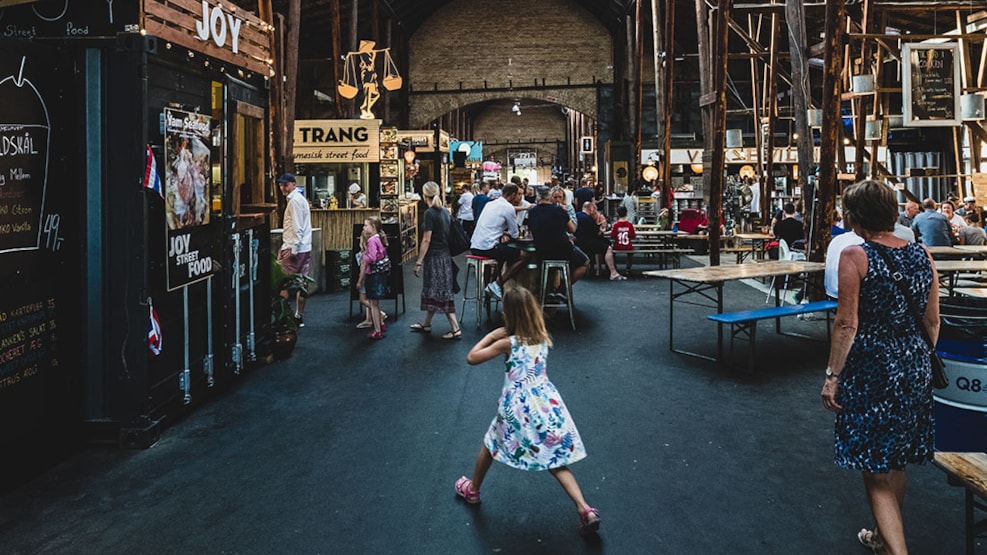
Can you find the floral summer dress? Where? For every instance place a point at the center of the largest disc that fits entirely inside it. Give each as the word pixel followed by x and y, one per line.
pixel 885 387
pixel 532 429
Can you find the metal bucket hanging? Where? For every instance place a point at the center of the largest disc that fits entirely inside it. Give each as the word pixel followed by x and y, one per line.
pixel 735 138
pixel 972 107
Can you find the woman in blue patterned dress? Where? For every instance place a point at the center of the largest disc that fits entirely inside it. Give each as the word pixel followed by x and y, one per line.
pixel 879 378
pixel 532 429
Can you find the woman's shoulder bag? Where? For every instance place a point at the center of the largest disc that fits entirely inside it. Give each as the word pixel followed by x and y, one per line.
pixel 939 378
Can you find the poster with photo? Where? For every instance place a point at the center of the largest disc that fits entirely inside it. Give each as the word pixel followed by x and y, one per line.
pixel 389 169
pixel 388 188
pixel 187 176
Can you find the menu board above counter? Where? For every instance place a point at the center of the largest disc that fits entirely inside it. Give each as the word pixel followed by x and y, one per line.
pixel 931 84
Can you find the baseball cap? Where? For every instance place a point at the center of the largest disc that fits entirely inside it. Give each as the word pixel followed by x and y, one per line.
pixel 287 178
pixel 970 199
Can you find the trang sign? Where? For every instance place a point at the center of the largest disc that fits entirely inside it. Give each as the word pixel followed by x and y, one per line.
pixel 337 141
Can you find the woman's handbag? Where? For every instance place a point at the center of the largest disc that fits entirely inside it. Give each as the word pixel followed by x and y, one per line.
pixel 459 242
pixel 939 378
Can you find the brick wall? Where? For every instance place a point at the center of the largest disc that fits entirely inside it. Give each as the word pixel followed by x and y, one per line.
pixel 500 129
pixel 552 44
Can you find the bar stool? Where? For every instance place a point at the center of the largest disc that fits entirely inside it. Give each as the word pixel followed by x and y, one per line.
pixel 563 267
pixel 479 266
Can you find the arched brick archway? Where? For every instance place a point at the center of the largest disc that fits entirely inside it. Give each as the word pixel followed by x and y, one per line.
pixel 552 50
pixel 427 107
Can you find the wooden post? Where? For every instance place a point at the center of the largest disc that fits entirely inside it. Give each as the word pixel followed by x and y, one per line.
pixel 771 111
pixel 275 110
pixel 661 98
pixel 634 172
pixel 354 46
pixel 795 16
pixel 336 53
pixel 832 121
pixel 713 62
pixel 291 79
pixel 860 111
pixel 668 41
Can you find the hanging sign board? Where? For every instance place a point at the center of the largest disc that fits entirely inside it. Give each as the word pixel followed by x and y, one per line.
pixel 187 183
pixel 742 156
pixel 931 84
pixel 979 182
pixel 342 141
pixel 213 28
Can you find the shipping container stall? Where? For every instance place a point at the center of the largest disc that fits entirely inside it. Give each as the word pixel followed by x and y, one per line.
pixel 42 241
pixel 167 193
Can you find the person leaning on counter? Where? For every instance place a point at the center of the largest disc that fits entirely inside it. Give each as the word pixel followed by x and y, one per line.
pixel 356 199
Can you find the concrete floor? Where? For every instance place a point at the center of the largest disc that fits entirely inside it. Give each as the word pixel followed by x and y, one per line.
pixel 353 446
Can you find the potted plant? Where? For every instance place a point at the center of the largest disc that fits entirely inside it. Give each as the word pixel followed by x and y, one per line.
pixel 284 324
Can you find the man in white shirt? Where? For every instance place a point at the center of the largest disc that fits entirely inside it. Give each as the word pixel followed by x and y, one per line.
pixel 295 255
pixel 831 278
pixel 496 226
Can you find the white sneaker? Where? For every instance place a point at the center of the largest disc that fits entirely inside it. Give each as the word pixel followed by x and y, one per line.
pixel 493 289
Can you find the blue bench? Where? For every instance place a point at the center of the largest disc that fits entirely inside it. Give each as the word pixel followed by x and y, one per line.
pixel 744 323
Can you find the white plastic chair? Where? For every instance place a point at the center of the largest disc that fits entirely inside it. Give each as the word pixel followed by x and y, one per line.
pixel 784 253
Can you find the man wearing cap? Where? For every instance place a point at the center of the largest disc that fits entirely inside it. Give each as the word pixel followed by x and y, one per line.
pixel 296 239
pixel 969 207
pixel 357 198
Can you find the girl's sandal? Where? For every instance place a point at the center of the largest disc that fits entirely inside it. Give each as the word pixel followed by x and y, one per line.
pixel 421 328
pixel 589 521
pixel 464 489
pixel 451 334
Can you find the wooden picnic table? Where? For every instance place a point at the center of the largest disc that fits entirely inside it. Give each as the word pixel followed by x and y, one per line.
pixel 757 241
pixel 958 251
pixel 707 282
pixel 970 471
pixel 950 270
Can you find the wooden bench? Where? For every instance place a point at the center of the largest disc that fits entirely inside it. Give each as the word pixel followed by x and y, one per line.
pixel 665 254
pixel 970 471
pixel 741 252
pixel 744 323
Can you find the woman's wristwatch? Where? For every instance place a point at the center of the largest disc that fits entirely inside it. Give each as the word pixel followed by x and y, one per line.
pixel 830 373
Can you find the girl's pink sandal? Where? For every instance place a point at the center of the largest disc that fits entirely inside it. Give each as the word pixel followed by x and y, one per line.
pixel 464 489
pixel 589 521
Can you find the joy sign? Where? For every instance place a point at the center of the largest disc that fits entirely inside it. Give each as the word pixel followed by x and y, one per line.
pixel 214 24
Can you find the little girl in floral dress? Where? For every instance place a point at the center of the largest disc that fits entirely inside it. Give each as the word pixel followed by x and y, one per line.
pixel 532 429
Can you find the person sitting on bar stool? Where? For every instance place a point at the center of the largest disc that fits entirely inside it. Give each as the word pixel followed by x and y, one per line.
pixel 589 238
pixel 550 226
pixel 496 226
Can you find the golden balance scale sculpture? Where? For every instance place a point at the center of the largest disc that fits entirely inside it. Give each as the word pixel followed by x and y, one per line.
pixel 359 71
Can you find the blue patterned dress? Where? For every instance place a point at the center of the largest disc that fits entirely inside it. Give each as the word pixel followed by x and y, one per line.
pixel 885 387
pixel 532 429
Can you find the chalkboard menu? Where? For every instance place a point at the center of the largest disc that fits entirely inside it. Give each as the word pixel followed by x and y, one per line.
pixel 931 84
pixel 40 262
